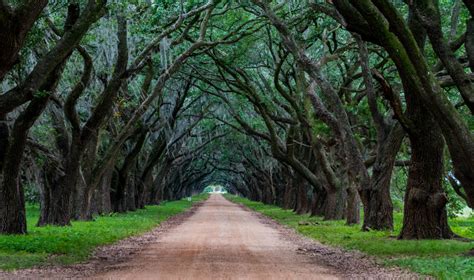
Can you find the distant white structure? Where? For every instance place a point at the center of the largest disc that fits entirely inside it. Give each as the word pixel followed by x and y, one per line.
pixel 218 189
pixel 467 212
pixel 215 189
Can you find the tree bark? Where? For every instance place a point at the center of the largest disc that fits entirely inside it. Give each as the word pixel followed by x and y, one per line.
pixel 12 208
pixel 353 206
pixel 318 203
pixel 126 189
pixel 425 215
pixel 394 35
pixel 379 212
pixel 83 139
pixel 469 45
pixel 68 42
pixel 428 15
pixel 15 26
pixel 19 135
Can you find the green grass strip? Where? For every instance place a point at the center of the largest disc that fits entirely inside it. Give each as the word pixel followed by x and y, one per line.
pixel 443 259
pixel 66 245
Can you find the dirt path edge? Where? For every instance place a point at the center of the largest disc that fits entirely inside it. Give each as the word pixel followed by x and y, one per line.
pixel 349 264
pixel 103 257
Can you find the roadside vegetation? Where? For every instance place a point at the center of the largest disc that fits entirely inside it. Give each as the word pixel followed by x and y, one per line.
pixel 443 259
pixel 53 245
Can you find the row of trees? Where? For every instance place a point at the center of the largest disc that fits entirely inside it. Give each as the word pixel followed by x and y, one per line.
pixel 317 107
pixel 96 122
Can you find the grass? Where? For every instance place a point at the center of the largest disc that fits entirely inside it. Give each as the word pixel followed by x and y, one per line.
pixel 65 245
pixel 443 259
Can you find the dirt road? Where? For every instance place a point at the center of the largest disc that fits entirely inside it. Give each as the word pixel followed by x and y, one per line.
pixel 220 241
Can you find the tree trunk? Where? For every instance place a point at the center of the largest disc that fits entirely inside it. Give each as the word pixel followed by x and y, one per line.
pixel 334 204
pixel 12 211
pixel 301 198
pixel 156 189
pixel 16 24
pixel 469 45
pixel 318 203
pixel 12 206
pixel 425 215
pixel 288 194
pixel 331 205
pixel 55 206
pixel 85 212
pixel 353 206
pixel 429 16
pixel 56 212
pixel 119 195
pixel 131 195
pixel 378 215
pixel 104 203
pixel 62 191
